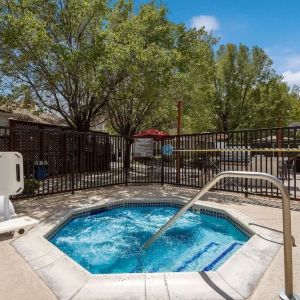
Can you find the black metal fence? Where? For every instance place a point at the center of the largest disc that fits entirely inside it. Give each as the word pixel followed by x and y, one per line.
pixel 196 168
pixel 57 160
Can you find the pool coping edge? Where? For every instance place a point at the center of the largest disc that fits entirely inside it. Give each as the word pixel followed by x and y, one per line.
pixel 49 262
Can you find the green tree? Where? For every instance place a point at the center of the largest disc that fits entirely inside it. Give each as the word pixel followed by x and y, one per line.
pixel 142 48
pixel 191 82
pixel 155 59
pixel 83 58
pixel 273 105
pixel 58 49
pixel 295 104
pixel 239 90
pixel 237 71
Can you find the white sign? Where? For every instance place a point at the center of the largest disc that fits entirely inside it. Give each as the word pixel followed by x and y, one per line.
pixel 143 147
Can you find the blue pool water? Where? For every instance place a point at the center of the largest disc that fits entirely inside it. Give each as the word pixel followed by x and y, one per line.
pixel 111 241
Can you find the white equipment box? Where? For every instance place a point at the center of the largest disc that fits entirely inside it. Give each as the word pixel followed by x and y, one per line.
pixel 11 173
pixel 12 183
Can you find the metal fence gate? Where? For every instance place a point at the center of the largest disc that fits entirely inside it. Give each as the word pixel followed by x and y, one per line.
pixel 148 169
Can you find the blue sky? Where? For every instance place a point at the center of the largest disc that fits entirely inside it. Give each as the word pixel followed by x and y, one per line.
pixel 273 25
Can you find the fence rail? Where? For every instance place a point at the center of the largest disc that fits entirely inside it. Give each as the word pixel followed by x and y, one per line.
pixel 57 160
pixel 248 150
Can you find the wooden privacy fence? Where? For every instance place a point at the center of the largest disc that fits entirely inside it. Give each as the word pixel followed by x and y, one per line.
pixel 55 160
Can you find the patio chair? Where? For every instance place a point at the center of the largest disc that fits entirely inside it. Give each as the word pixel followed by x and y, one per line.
pixel 288 169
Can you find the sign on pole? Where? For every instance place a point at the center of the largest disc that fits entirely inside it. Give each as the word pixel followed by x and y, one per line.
pixel 143 147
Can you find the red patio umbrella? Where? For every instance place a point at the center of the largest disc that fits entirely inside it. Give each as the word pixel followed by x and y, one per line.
pixel 156 134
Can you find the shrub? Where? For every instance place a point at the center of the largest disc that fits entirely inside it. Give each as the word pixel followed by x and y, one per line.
pixel 30 185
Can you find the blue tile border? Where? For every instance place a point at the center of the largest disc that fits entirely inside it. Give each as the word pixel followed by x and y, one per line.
pixel 220 257
pixel 202 251
pixel 204 211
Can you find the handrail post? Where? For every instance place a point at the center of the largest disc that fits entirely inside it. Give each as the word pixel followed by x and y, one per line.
pixel 6 212
pixel 286 218
pixel 287 237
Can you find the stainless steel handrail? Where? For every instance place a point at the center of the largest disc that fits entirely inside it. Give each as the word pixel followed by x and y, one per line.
pixel 286 214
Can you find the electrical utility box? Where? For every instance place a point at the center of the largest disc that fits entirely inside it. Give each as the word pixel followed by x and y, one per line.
pixel 11 173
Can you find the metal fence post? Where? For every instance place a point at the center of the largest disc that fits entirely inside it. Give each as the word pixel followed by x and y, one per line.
pixel 162 164
pixel 246 157
pixel 127 160
pixel 73 158
pixel 126 176
pixel 73 162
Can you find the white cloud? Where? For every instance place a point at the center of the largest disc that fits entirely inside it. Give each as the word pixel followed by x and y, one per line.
pixel 209 22
pixel 285 59
pixel 286 62
pixel 292 78
pixel 293 62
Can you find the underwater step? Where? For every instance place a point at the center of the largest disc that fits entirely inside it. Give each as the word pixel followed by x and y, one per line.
pixel 221 256
pixel 196 256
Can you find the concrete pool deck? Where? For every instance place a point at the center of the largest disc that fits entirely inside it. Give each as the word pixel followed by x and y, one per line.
pixel 19 281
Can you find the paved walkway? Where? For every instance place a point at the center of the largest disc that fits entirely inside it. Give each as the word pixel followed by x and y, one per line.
pixel 18 281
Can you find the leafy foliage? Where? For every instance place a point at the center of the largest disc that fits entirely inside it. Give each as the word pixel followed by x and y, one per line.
pixel 57 48
pixel 237 70
pixel 142 47
pixel 159 60
pixel 244 92
pixel 90 60
pixel 273 105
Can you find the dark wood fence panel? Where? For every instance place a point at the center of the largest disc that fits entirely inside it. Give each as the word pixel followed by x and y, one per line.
pixel 60 160
pixel 4 139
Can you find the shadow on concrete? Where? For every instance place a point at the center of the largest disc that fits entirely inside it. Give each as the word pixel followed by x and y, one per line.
pixel 209 282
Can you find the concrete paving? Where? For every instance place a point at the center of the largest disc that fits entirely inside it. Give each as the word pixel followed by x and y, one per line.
pixel 18 280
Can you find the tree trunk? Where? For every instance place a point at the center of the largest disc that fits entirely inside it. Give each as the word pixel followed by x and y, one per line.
pixel 224 122
pixel 225 126
pixel 82 127
pixel 127 154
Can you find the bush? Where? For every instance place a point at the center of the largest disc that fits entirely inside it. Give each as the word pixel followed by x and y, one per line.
pixel 30 185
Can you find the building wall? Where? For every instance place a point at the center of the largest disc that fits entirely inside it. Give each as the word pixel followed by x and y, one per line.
pixel 4 119
pixel 173 131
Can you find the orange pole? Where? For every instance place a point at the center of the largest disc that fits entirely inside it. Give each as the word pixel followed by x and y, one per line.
pixel 179 127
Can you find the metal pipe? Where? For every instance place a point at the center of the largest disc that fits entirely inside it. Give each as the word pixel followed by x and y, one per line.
pixel 287 150
pixel 286 214
pixel 6 213
pixel 179 127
